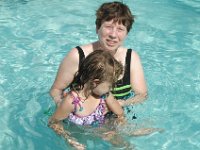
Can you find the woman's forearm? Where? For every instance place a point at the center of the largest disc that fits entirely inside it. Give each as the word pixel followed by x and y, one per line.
pixel 56 95
pixel 137 99
pixel 73 141
pixel 58 127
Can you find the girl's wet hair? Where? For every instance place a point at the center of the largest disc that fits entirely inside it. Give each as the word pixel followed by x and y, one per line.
pixel 99 65
pixel 116 11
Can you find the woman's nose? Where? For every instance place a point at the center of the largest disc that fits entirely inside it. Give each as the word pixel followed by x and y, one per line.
pixel 113 33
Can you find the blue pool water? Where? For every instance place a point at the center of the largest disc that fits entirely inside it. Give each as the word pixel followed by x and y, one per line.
pixel 36 34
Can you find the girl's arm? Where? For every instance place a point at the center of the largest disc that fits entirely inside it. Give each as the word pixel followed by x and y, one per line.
pixel 65 75
pixel 55 122
pixel 137 80
pixel 62 112
pixel 114 105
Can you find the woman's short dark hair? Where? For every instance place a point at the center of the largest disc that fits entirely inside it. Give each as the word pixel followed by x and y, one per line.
pixel 116 11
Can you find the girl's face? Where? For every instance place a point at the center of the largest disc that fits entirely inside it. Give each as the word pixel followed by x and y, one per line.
pixel 102 88
pixel 111 35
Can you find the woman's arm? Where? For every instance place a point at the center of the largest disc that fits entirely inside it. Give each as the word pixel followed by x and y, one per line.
pixel 137 80
pixel 65 75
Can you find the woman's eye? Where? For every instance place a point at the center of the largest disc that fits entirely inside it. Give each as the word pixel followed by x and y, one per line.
pixel 121 29
pixel 109 27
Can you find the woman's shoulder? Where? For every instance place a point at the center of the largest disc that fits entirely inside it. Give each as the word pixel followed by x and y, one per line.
pixel 122 53
pixel 134 53
pixel 124 50
pixel 72 55
pixel 87 49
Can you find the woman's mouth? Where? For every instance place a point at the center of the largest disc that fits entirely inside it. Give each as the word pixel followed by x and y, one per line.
pixel 111 43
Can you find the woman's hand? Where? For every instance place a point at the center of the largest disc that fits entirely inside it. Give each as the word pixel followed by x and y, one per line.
pixel 74 143
pixel 137 99
pixel 56 126
pixel 120 120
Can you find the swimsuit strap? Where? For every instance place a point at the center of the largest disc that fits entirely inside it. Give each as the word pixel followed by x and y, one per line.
pixel 81 55
pixel 76 102
pixel 128 65
pixel 102 102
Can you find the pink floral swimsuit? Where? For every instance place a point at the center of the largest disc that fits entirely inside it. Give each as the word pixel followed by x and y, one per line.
pixel 95 119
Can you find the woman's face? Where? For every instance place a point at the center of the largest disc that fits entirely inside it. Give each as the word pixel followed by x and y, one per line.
pixel 111 35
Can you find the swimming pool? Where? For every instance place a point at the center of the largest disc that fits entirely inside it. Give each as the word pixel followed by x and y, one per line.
pixel 34 37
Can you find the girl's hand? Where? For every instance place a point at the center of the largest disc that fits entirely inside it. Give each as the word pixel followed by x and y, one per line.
pixel 121 102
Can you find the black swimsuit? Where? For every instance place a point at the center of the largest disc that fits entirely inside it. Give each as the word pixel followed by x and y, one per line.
pixel 123 87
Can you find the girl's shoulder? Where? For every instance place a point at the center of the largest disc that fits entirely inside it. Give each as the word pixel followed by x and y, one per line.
pixel 68 102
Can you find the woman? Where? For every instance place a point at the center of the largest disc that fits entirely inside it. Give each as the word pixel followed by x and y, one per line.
pixel 113 22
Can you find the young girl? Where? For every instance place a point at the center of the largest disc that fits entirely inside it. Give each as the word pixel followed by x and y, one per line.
pixel 87 103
